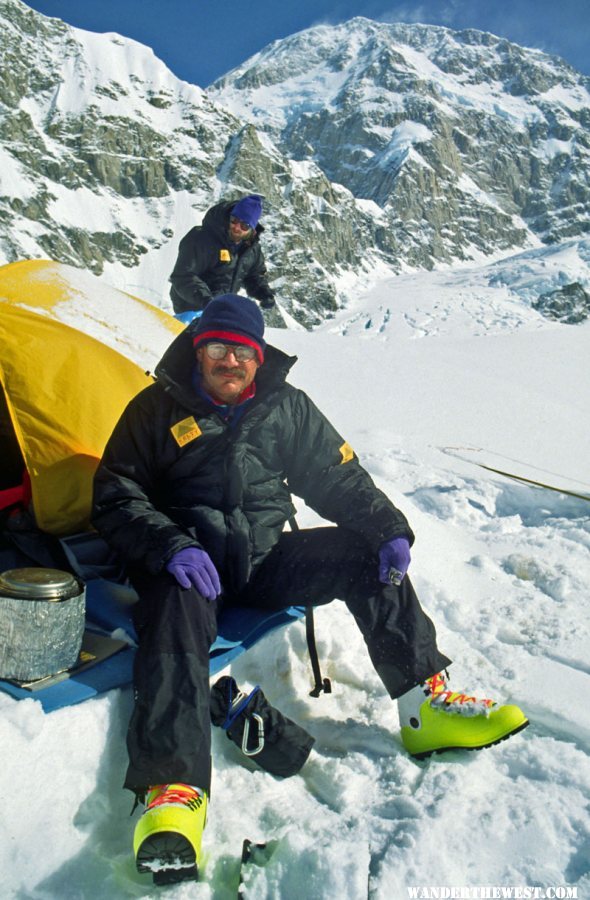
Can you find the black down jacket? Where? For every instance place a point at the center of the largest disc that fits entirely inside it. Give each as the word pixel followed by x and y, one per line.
pixel 174 474
pixel 208 266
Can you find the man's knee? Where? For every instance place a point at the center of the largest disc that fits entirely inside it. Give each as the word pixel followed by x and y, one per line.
pixel 175 617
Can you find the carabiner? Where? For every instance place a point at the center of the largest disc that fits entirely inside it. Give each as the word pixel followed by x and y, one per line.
pixel 260 746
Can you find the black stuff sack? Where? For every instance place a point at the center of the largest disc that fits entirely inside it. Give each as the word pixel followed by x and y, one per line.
pixel 277 744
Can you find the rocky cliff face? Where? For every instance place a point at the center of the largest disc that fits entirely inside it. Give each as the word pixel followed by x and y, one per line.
pixel 87 139
pixel 464 141
pixel 376 147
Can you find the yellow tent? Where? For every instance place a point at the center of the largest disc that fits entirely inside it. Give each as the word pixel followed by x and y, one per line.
pixel 65 388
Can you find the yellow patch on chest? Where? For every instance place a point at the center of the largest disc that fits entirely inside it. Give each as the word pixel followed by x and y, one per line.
pixel 185 431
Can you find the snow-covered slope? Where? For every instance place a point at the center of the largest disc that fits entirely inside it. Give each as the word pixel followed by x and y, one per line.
pixel 501 566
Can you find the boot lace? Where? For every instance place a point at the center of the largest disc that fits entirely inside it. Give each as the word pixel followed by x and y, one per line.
pixel 176 794
pixel 455 701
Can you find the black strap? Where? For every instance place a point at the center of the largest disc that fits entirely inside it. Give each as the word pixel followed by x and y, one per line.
pixel 321 684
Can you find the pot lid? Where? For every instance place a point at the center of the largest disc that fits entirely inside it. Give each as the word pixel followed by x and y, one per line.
pixel 38 584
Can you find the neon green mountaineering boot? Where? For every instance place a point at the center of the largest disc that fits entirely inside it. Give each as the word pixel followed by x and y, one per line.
pixel 167 839
pixel 434 719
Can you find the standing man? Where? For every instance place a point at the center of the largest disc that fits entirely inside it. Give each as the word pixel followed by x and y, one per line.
pixel 193 492
pixel 223 255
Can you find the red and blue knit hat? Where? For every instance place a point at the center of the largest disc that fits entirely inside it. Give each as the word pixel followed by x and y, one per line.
pixel 231 319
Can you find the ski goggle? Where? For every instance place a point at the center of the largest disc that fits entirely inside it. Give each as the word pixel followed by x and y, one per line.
pixel 219 351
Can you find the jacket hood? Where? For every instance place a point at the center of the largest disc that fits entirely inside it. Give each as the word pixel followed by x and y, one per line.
pixel 175 369
pixel 216 220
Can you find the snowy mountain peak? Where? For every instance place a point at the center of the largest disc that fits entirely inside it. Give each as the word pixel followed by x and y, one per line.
pixel 362 49
pixel 447 131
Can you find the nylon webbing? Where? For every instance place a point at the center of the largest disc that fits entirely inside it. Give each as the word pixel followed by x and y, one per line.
pixel 320 684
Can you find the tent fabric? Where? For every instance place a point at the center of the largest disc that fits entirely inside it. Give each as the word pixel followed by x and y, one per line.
pixel 64 392
pixel 64 389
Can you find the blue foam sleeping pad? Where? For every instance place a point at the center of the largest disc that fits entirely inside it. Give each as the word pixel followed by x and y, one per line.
pixel 108 610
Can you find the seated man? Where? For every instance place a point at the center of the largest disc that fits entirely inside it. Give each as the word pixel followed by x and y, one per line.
pixel 220 256
pixel 193 492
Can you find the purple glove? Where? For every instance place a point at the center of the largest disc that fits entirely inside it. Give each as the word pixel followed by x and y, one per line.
pixel 394 559
pixel 193 567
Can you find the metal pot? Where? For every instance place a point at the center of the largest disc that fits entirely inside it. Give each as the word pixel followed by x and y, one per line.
pixel 42 616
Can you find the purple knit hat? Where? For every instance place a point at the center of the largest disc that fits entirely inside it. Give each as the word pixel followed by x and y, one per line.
pixel 248 210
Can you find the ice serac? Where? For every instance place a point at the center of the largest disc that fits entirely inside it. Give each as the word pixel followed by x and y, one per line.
pixel 377 147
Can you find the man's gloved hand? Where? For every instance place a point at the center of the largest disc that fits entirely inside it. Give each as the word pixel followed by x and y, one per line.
pixel 394 560
pixel 267 299
pixel 193 567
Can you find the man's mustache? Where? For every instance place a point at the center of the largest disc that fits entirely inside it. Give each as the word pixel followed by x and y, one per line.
pixel 229 370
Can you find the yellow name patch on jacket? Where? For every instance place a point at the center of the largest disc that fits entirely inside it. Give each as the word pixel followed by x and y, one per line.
pixel 346 452
pixel 185 431
pixel 224 256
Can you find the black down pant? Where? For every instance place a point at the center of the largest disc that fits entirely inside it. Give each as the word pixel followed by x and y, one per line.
pixel 169 733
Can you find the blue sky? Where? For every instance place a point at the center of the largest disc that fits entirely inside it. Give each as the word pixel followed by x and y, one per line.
pixel 203 39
